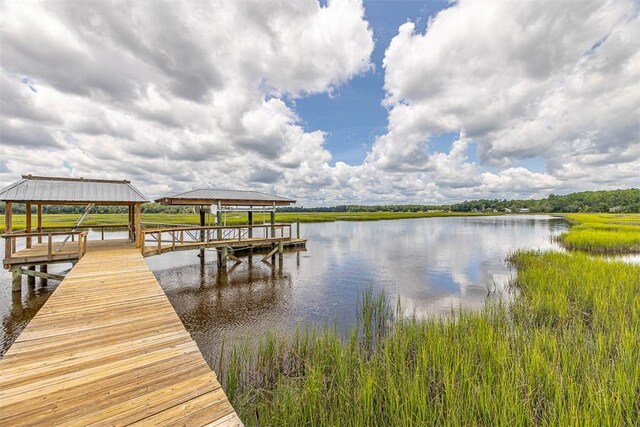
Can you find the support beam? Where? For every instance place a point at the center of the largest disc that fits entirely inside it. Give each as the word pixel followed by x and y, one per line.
pixel 250 222
pixel 29 272
pixel 223 253
pixel 202 224
pixel 233 258
pixel 27 211
pixel 39 222
pixel 270 254
pixel 8 229
pixel 298 228
pixel 131 225
pixel 16 279
pixel 43 275
pixel 273 221
pixel 138 235
pixel 219 232
pixel 43 269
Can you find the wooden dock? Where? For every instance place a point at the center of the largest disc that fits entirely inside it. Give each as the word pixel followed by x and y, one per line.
pixel 107 348
pixel 156 241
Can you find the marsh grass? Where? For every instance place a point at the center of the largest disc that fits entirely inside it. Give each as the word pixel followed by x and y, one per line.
pixel 564 352
pixel 603 233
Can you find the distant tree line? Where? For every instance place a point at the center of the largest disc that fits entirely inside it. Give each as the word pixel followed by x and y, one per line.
pixel 622 201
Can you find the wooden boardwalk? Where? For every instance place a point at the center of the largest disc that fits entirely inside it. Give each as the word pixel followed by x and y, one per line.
pixel 107 348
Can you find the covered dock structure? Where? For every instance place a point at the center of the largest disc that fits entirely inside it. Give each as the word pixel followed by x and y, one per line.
pixel 225 238
pixel 34 245
pixel 107 348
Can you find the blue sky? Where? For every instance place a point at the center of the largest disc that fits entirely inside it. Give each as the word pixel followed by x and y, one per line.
pixel 353 115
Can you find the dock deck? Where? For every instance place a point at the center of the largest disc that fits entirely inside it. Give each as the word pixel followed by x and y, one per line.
pixel 107 348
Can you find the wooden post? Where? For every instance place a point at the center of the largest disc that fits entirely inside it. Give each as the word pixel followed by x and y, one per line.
pixel 250 221
pixel 7 229
pixel 16 279
pixel 31 280
pixel 224 254
pixel 219 235
pixel 27 211
pixel 202 232
pixel 130 225
pixel 49 246
pixel 219 220
pixel 39 222
pixel 280 249
pixel 273 220
pixel 137 235
pixel 44 269
pixel 298 228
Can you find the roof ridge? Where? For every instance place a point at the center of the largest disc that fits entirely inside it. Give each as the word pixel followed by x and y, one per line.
pixel 68 179
pixel 226 189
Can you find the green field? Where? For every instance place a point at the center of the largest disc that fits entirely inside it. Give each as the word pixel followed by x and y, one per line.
pixel 68 220
pixel 603 233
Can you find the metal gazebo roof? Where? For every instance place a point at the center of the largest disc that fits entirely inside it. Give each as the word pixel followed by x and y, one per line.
pixel 55 190
pixel 209 196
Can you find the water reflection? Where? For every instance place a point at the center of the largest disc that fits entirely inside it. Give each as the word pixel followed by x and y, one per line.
pixel 433 265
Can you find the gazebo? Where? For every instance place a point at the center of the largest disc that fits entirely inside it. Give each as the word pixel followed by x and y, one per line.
pixel 222 201
pixel 228 201
pixel 50 191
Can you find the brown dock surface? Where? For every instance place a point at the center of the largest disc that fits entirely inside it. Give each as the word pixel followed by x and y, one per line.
pixel 107 348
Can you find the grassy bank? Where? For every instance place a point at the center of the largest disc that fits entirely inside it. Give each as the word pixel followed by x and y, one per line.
pixel 68 220
pixel 564 353
pixel 603 233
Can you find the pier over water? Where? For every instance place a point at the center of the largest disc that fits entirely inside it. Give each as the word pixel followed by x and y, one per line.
pixel 107 348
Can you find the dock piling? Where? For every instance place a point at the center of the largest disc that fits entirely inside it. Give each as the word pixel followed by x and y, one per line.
pixel 16 279
pixel 44 269
pixel 31 280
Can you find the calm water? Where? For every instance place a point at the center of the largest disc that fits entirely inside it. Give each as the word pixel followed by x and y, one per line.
pixel 433 264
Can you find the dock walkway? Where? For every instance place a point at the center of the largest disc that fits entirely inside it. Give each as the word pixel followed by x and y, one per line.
pixel 107 348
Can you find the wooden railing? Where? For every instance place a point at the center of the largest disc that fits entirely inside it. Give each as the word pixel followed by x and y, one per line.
pixel 102 228
pixel 49 251
pixel 170 238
